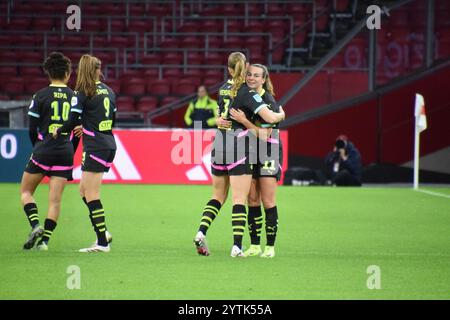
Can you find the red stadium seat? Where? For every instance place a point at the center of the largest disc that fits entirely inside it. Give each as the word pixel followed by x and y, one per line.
pixel 158 87
pixel 255 45
pixel 235 25
pixel 214 42
pixel 189 26
pixel 233 42
pixel 213 58
pixel 255 26
pixel 46 24
pixel 212 81
pixel 133 86
pixel 255 9
pixel 213 25
pixel 114 84
pixel 192 42
pixel 19 24
pixel 116 25
pixel 8 57
pixel 125 103
pixel 172 58
pixel 168 100
pixel 140 26
pixel 184 89
pixel 28 72
pixel 275 9
pixel 151 58
pixel 24 40
pixel 172 73
pixel 151 74
pixel 14 86
pixel 196 81
pixel 170 43
pixel 195 58
pixel 131 74
pixel 8 71
pixel 232 10
pixel 213 73
pixel 146 104
pixel 35 84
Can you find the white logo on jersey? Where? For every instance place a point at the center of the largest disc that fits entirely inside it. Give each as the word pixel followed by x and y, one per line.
pixel 31 104
pixel 74 101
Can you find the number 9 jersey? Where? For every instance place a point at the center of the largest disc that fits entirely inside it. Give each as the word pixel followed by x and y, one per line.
pixel 97 115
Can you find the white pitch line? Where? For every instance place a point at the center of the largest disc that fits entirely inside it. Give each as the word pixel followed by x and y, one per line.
pixel 434 193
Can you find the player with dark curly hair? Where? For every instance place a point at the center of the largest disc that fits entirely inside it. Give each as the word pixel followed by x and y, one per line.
pixel 48 111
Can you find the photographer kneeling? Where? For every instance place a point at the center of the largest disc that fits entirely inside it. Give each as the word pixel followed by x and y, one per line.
pixel 344 163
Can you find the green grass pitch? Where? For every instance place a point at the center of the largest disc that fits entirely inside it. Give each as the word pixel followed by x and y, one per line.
pixel 327 239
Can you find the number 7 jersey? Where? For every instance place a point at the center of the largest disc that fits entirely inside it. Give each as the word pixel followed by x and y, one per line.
pixel 97 114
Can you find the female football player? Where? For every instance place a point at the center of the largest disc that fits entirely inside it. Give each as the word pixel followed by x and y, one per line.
pixel 233 152
pixel 96 103
pixel 267 171
pixel 49 110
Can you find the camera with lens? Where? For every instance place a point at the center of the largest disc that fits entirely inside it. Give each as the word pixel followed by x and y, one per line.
pixel 340 144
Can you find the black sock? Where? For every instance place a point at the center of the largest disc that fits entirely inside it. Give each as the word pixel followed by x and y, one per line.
pixel 90 217
pixel 238 219
pixel 271 225
pixel 97 216
pixel 255 224
pixel 210 212
pixel 49 226
pixel 32 214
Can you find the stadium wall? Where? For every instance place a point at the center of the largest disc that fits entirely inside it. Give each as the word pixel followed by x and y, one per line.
pixel 381 128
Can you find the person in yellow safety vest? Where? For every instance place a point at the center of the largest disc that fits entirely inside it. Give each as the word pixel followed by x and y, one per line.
pixel 203 109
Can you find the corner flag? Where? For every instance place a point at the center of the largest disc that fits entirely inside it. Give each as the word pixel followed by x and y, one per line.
pixel 421 119
pixel 420 125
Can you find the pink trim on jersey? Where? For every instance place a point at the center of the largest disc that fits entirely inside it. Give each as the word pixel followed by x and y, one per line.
pixel 71 136
pixel 229 167
pixel 103 162
pixel 52 168
pixel 89 133
pixel 40 137
pixel 243 133
pixel 272 140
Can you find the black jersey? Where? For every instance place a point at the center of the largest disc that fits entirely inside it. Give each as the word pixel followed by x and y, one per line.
pixel 224 99
pixel 97 114
pixel 272 105
pixel 51 107
pixel 247 100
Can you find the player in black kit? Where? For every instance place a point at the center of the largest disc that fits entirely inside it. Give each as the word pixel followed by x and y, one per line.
pixel 267 171
pixel 220 181
pixel 232 157
pixel 49 110
pixel 96 103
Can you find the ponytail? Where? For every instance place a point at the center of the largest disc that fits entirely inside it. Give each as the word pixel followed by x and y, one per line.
pixel 236 62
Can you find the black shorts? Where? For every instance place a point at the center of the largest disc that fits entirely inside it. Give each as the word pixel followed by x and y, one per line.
pixel 231 169
pixel 269 166
pixel 60 165
pixel 97 161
